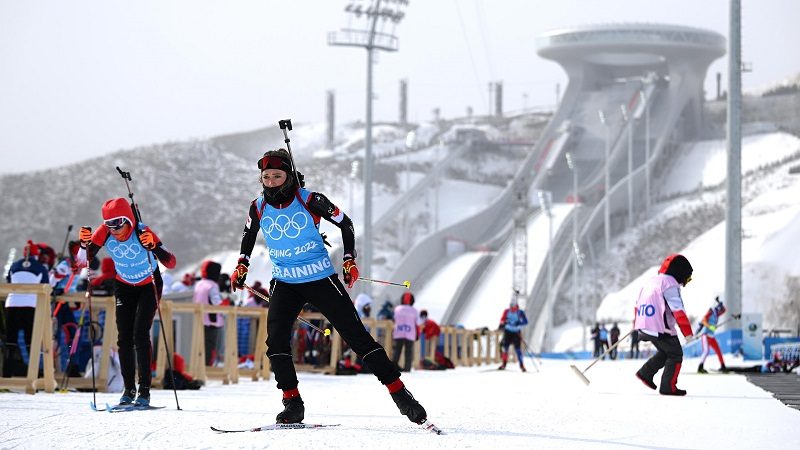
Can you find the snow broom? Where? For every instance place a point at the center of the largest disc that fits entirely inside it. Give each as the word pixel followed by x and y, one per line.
pixel 580 373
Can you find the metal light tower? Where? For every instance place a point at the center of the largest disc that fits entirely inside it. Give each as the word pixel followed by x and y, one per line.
pixel 629 121
pixel 607 184
pixel 644 99
pixel 371 26
pixel 733 223
pixel 576 250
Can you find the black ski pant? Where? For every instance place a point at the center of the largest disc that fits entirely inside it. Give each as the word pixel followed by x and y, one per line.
pixel 211 334
pixel 406 347
pixel 329 296
pixel 669 355
pixel 18 318
pixel 136 306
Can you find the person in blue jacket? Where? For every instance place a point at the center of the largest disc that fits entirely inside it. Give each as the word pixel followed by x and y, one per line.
pixel 288 215
pixel 511 322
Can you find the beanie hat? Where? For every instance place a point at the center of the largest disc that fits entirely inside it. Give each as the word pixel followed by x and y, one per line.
pixel 210 270
pixel 31 249
pixel 678 267
pixel 118 207
pixel 407 298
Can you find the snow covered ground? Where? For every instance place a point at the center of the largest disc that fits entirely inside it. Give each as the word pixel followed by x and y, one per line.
pixel 477 408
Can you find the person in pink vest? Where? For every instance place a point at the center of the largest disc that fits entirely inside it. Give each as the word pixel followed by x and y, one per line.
pixel 206 292
pixel 658 308
pixel 405 331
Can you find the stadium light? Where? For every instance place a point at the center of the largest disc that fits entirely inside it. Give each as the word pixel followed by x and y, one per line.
pixel 371 26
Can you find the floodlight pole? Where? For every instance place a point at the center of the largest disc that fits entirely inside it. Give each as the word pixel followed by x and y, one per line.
pixel 575 248
pixel 733 223
pixel 370 40
pixel 607 184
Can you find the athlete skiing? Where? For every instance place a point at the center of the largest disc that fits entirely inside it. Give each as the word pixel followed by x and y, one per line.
pixel 288 216
pixel 136 251
pixel 658 308
pixel 511 322
pixel 706 331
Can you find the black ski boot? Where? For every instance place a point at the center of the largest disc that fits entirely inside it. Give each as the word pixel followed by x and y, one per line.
pixel 409 406
pixel 723 369
pixel 293 411
pixel 127 396
pixel 144 396
pixel 647 380
pixel 700 369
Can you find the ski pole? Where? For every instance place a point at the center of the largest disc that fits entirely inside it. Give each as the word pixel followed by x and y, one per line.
pixel 91 340
pixel 580 373
pixel 406 284
pixel 73 349
pixel 694 337
pixel 64 247
pixel 325 332
pixel 138 216
pixel 530 353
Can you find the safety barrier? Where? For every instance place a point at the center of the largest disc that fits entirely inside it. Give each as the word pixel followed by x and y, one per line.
pixel 463 347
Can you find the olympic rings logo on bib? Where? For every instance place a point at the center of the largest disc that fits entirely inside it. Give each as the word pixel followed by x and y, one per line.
pixel 120 250
pixel 284 225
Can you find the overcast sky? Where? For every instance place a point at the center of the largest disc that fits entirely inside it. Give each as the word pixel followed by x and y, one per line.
pixel 86 77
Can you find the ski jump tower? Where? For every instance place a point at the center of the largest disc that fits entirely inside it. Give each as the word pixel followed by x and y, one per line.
pixel 618 75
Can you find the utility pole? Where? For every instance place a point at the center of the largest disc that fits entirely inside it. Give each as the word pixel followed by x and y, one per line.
pixel 733 223
pixel 364 32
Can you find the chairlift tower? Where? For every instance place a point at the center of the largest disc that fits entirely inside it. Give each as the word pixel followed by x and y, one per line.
pixel 370 26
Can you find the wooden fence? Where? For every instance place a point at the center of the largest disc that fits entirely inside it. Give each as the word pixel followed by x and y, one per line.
pixel 463 347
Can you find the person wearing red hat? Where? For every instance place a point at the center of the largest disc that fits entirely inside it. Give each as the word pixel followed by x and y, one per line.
pixel 288 216
pixel 136 251
pixel 20 309
pixel 658 308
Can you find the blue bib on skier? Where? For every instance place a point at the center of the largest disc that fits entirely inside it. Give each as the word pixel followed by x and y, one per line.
pixel 296 249
pixel 132 261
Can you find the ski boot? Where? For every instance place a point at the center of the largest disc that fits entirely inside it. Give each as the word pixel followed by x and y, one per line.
pixel 522 368
pixel 144 397
pixel 648 381
pixel 502 367
pixel 127 396
pixel 674 391
pixel 700 369
pixel 293 411
pixel 723 369
pixel 409 406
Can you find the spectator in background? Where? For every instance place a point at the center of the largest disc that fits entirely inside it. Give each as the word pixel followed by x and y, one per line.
pixel 386 312
pixel 603 337
pixel 206 292
pixel 429 331
pixel 613 337
pixel 46 256
pixel 363 304
pixel 635 344
pixel 184 285
pixel 20 309
pixel 103 284
pixel 255 299
pixel 405 331
pixel 595 335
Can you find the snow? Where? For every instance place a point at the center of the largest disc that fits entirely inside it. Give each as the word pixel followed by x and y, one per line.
pixel 770 223
pixel 477 407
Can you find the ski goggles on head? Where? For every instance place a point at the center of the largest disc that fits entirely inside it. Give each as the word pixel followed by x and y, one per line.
pixel 687 280
pixel 116 223
pixel 273 162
